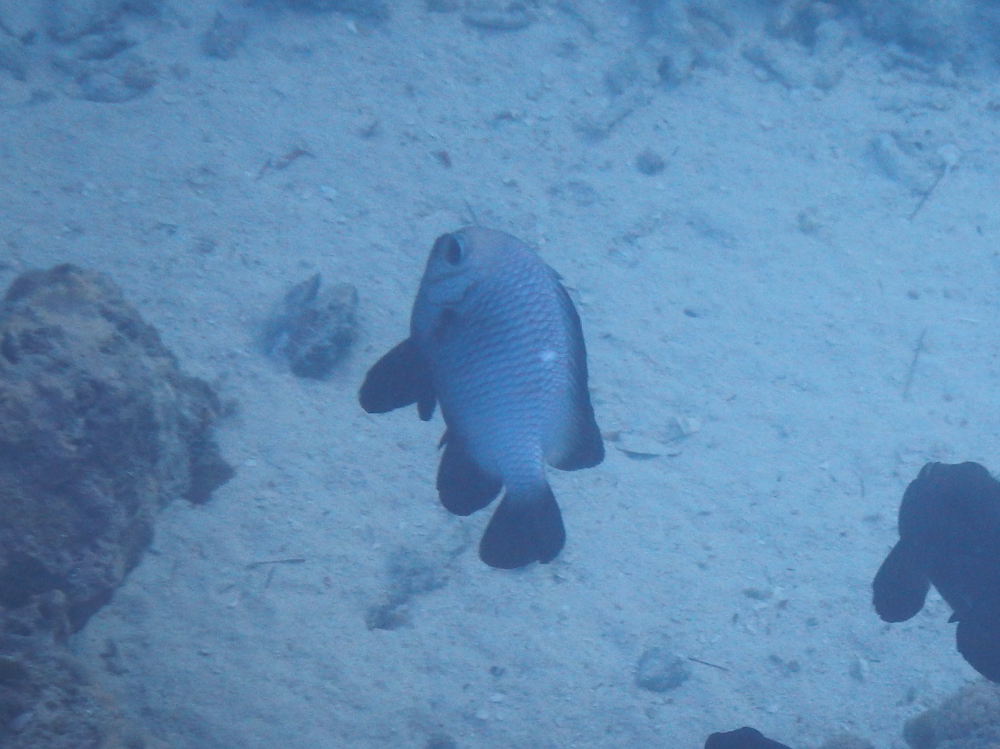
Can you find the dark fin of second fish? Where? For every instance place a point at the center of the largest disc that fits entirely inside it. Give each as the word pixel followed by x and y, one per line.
pixel 978 635
pixel 462 485
pixel 587 449
pixel 901 584
pixel 399 378
pixel 524 529
pixel 742 738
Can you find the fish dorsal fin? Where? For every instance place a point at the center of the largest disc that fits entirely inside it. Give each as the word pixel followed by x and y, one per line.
pixel 586 448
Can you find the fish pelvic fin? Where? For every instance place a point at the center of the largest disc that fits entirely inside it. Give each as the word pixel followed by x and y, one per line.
pixel 527 527
pixel 900 586
pixel 399 378
pixel 462 485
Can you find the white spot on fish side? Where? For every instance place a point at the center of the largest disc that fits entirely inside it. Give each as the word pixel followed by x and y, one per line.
pixel 547 356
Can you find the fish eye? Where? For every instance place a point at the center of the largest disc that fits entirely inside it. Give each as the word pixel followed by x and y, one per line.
pixel 449 247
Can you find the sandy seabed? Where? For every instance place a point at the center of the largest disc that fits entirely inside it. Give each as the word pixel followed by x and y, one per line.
pixel 766 315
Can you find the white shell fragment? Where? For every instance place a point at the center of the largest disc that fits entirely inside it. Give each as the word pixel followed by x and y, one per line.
pixel 642 445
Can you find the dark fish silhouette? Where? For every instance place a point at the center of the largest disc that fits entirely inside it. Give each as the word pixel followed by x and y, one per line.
pixel 494 338
pixel 949 535
pixel 742 738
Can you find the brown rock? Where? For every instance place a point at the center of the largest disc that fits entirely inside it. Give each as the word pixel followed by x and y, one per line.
pixel 47 699
pixel 98 430
pixel 969 719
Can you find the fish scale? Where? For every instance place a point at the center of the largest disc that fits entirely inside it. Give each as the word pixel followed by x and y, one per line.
pixel 503 386
pixel 496 340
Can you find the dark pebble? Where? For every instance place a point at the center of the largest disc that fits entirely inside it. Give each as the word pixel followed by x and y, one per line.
pixel 440 741
pixel 224 37
pixel 659 670
pixel 649 162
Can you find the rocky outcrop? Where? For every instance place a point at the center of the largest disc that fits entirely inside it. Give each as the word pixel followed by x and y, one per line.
pixel 48 701
pixel 99 429
pixel 969 719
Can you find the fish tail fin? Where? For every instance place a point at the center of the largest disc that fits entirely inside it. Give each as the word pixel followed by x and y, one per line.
pixel 901 584
pixel 977 636
pixel 527 527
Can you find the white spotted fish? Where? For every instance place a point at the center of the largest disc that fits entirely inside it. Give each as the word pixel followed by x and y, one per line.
pixel 496 340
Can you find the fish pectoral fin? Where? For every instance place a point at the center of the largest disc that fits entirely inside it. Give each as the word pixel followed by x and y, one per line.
pixel 399 378
pixel 462 485
pixel 900 585
pixel 525 528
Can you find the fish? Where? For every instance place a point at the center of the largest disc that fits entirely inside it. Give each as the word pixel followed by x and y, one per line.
pixel 742 738
pixel 949 537
pixel 496 340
